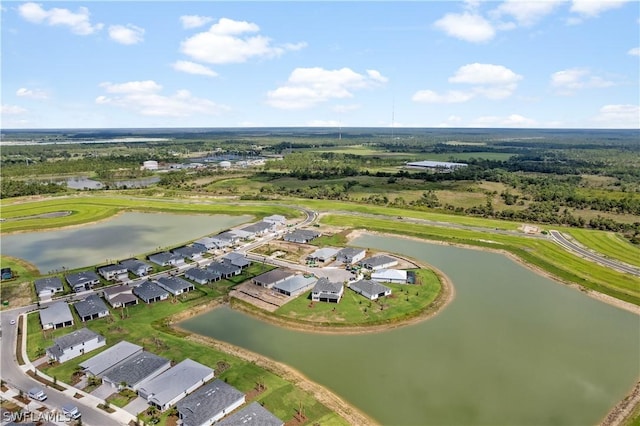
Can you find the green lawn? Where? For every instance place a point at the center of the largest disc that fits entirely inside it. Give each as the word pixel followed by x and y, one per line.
pixel 607 243
pixel 405 301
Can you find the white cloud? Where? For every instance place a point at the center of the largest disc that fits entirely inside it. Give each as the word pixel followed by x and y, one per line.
pixel 513 120
pixel 144 98
pixel 527 12
pixel 489 80
pixel 323 123
pixel 451 97
pixel 126 34
pixel 346 108
pixel 32 94
pixel 78 22
pixel 12 109
pixel 593 8
pixel 634 52
pixel 193 68
pixel 451 121
pixel 466 26
pixel 227 42
pixel 568 81
pixel 619 116
pixel 307 87
pixel 194 21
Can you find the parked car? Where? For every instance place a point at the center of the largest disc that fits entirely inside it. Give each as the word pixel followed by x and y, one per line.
pixel 71 411
pixel 37 393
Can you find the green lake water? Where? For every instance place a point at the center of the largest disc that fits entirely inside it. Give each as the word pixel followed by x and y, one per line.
pixel 513 348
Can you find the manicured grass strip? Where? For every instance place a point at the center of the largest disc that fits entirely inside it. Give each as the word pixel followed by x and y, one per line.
pixel 609 244
pixel 541 253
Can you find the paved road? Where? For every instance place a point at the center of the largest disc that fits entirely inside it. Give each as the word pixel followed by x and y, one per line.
pixel 581 251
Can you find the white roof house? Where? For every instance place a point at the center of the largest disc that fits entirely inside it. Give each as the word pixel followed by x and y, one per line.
pixel 323 254
pixel 97 365
pixel 295 285
pixel 379 262
pixel 275 219
pixel 175 383
pixel 351 255
pixel 390 276
pixel 75 344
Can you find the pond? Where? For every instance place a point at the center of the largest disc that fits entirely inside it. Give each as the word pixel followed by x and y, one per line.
pixel 512 348
pixel 123 236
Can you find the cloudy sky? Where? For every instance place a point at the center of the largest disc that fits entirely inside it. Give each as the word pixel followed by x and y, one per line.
pixel 553 63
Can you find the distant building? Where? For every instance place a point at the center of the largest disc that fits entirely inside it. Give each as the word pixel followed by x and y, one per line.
pixel 276 219
pixel 6 273
pixel 150 165
pixel 442 166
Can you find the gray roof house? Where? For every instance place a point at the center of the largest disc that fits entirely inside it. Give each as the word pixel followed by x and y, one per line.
pixel 175 383
pixel 372 290
pixel 113 272
pixel 230 236
pixel 327 291
pixel 47 287
pixel 205 243
pixel 295 285
pixel 175 285
pixel 137 267
pixel 99 364
pixel 136 370
pixel 253 414
pixel 275 219
pixel 236 259
pixel 301 236
pixel 259 228
pixel 209 404
pixel 323 254
pixel 226 270
pixel 75 344
pixel 55 316
pixel 398 276
pixel 120 296
pixel 91 308
pixel 83 280
pixel 202 276
pixel 379 262
pixel 191 252
pixel 150 292
pixel 166 258
pixel 351 255
pixel 271 278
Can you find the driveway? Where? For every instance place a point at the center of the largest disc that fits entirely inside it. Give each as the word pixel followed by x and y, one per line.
pixel 103 391
pixel 136 406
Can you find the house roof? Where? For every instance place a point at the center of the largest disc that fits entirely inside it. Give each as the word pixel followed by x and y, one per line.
pixel 75 338
pixel 165 387
pixel 90 306
pixel 112 268
pixel 164 257
pixel 223 268
pixel 123 298
pixel 241 234
pixel 49 283
pixel 350 251
pixel 201 274
pixel 389 275
pixel 301 235
pixel 56 313
pixel 324 253
pixel 273 276
pixel 295 283
pixel 253 414
pixel 227 236
pixel 149 290
pixel 369 287
pixel 275 218
pixel 325 286
pixel 136 368
pixel 187 251
pixel 174 284
pixel 257 227
pixel 112 291
pixel 206 241
pixel 103 361
pixel 376 261
pixel 81 278
pixel 237 259
pixel 208 401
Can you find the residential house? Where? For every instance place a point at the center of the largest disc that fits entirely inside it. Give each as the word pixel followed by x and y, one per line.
pixel 137 267
pixel 120 296
pixel 136 371
pixel 276 219
pixel 350 255
pixel 301 236
pixel 96 366
pixel 242 235
pixel 323 254
pixel 56 315
pixel 379 262
pixel 114 272
pixel 189 252
pixel 150 292
pixel 47 287
pixel 209 404
pixel 175 383
pixel 295 285
pixel 236 259
pixel 74 344
pixel 231 237
pixel 166 258
pixel 202 276
pixel 397 276
pixel 253 414
pixel 271 278
pixel 91 308
pixel 83 280
pixel 226 270
pixel 372 290
pixel 175 285
pixel 205 244
pixel 258 229
pixel 327 291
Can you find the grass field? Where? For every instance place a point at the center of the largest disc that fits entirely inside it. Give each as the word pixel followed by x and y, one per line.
pixel 607 243
pixel 404 302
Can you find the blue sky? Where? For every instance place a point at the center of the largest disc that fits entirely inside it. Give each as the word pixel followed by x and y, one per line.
pixel 546 64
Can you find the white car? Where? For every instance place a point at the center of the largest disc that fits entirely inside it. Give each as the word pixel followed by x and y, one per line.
pixel 37 393
pixel 71 411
